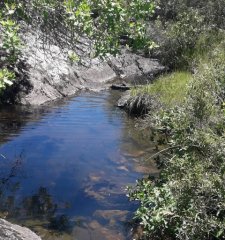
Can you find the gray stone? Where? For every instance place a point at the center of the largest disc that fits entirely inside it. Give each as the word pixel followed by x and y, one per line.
pixel 47 74
pixel 9 231
pixel 122 102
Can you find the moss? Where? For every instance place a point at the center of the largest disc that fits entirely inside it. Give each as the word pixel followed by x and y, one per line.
pixel 171 88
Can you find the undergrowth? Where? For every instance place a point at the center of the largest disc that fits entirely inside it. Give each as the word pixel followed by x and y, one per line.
pixel 187 201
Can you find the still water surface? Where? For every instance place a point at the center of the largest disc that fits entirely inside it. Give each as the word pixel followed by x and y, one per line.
pixel 65 167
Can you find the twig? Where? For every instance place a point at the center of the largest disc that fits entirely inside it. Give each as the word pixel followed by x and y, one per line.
pixel 164 150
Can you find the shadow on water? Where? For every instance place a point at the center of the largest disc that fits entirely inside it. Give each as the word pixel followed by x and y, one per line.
pixel 77 158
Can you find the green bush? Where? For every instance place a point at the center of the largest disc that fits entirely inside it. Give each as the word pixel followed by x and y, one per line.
pixel 10 49
pixel 185 23
pixel 187 201
pixel 182 36
pixel 213 10
pixel 6 78
pixel 104 22
pixel 11 43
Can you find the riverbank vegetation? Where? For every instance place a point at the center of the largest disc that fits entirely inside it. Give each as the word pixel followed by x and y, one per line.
pixel 187 201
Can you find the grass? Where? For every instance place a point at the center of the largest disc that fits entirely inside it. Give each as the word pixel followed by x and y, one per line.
pixel 171 88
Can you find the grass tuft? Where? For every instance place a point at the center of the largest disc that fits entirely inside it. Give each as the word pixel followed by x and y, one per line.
pixel 171 89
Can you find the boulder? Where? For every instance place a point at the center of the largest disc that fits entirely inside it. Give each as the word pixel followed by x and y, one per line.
pixel 9 231
pixel 46 73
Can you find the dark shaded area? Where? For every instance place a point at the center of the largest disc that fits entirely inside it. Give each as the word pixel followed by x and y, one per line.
pixel 20 88
pixel 122 86
pixel 138 106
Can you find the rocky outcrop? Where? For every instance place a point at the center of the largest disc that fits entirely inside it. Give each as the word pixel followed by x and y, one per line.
pixel 48 74
pixel 9 231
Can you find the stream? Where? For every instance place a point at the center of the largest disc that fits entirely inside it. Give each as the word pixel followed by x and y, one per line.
pixel 64 167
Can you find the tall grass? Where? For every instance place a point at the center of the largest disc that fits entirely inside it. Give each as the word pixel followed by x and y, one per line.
pixel 171 88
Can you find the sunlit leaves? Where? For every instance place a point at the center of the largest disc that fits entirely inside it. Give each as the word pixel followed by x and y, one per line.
pixel 6 78
pixel 11 43
pixel 102 21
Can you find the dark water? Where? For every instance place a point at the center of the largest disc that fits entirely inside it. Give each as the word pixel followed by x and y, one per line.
pixel 65 167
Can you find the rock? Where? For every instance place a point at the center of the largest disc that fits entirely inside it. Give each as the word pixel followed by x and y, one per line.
pixel 9 231
pixel 123 168
pixel 46 74
pixel 122 86
pixel 122 102
pixel 135 68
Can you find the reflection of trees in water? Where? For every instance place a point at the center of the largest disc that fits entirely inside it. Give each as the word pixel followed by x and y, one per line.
pixel 39 206
pixel 9 184
pixel 42 206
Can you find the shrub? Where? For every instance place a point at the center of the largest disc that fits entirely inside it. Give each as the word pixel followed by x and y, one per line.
pixel 181 39
pixel 11 43
pixel 184 24
pixel 187 201
pixel 6 78
pixel 64 22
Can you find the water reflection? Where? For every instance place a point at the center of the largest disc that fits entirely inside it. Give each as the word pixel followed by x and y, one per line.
pixel 79 157
pixel 9 185
pixel 39 206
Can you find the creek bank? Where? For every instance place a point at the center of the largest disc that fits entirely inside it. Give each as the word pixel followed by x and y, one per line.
pixel 9 231
pixel 46 74
pixel 138 105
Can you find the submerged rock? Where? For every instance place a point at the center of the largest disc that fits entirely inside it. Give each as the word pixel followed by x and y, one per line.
pixel 97 231
pixel 9 231
pixel 119 215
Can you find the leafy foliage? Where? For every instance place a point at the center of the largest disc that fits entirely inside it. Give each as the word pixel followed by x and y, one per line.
pixel 184 23
pixel 10 48
pixel 6 78
pixel 11 43
pixel 105 22
pixel 188 199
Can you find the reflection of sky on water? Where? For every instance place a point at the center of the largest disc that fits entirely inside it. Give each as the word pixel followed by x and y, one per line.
pixel 76 152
